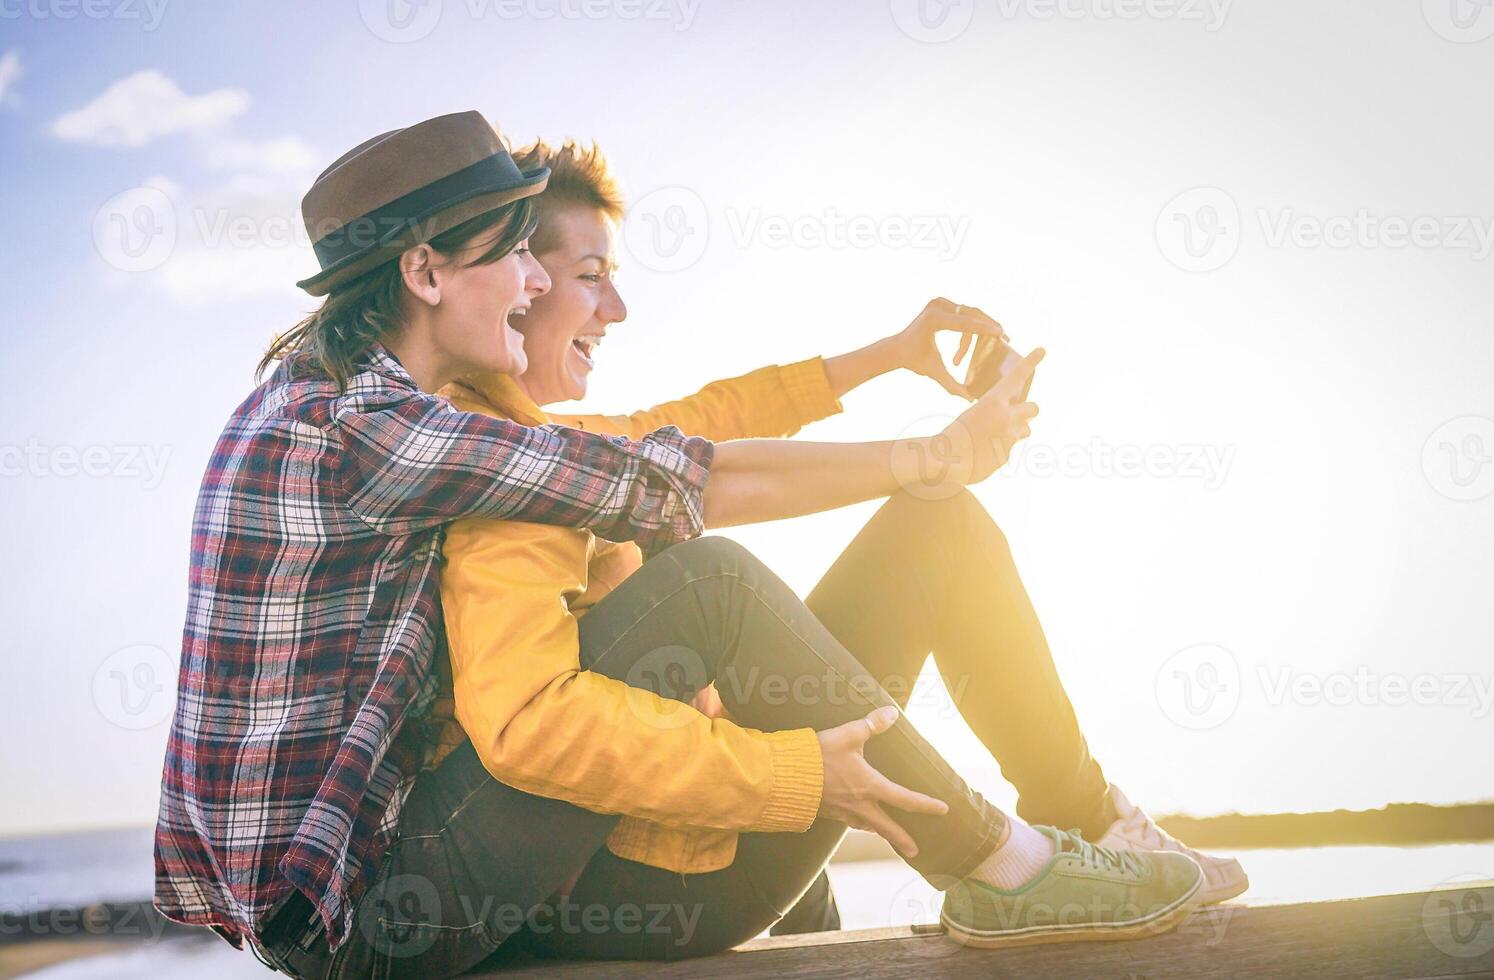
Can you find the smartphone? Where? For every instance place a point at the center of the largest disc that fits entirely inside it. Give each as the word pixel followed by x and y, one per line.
pixel 992 358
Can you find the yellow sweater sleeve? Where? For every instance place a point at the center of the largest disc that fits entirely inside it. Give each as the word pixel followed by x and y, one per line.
pixel 771 401
pixel 543 725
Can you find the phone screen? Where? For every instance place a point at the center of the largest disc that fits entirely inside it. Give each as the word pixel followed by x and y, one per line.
pixel 992 359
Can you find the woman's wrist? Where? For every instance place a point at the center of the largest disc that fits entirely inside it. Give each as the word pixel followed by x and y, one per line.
pixel 847 372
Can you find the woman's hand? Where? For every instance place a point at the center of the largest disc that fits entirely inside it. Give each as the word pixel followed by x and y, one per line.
pixel 755 480
pixel 915 348
pixel 854 792
pixel 988 429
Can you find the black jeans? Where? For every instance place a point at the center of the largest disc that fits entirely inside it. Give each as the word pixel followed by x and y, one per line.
pixel 476 861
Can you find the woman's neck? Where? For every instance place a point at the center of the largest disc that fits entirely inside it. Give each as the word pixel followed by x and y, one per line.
pixel 535 396
pixel 424 365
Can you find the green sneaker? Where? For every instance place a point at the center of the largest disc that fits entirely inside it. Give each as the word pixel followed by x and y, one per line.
pixel 1086 892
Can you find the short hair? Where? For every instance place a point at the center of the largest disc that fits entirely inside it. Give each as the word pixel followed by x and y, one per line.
pixel 578 175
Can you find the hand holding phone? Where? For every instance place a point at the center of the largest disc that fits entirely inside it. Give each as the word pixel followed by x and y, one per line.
pixel 992 360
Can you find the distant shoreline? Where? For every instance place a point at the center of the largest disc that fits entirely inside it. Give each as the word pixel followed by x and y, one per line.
pixel 1397 824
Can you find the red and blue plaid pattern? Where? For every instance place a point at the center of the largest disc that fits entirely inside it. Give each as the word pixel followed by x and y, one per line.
pixel 314 619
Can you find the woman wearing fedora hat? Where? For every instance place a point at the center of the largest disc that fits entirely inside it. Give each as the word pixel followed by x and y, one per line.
pixel 299 810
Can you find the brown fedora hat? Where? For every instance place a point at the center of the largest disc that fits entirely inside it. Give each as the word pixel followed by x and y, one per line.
pixel 405 187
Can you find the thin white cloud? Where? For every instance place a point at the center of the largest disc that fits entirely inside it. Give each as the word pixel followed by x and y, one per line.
pixel 237 239
pixel 284 154
pixel 143 106
pixel 240 239
pixel 10 71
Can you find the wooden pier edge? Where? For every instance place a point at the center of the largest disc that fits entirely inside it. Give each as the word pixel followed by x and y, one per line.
pixel 1443 933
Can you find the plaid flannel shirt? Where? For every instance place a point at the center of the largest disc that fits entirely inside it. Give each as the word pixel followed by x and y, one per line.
pixel 313 619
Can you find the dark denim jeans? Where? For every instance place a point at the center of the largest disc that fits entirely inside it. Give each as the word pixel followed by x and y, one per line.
pixel 477 864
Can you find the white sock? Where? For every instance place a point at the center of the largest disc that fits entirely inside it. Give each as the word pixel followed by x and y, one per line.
pixel 1018 861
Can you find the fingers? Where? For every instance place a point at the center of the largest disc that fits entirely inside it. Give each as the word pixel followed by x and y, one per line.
pixel 895 794
pixel 948 383
pixel 947 315
pixel 965 340
pixel 886 828
pixel 1016 379
pixel 878 721
pixel 1024 412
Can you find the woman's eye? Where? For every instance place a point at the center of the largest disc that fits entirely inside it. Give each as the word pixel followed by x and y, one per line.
pixel 592 277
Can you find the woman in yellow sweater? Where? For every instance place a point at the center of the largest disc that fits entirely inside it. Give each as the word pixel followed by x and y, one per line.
pixel 677 788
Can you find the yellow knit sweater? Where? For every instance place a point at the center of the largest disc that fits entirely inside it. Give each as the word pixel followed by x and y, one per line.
pixel 685 783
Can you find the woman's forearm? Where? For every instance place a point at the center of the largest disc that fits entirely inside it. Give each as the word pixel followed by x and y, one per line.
pixel 768 479
pixel 846 372
pixel 756 480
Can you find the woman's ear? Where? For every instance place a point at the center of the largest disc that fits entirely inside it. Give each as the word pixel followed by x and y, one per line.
pixel 417 267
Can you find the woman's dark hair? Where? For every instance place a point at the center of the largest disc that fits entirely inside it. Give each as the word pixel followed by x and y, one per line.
pixel 366 310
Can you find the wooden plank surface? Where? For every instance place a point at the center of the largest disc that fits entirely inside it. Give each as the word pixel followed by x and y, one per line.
pixel 1444 933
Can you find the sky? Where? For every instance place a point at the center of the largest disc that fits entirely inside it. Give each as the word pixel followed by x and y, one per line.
pixel 1255 237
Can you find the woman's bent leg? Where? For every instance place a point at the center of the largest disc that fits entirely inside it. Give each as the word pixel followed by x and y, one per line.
pixel 707 611
pixel 937 576
pixel 703 611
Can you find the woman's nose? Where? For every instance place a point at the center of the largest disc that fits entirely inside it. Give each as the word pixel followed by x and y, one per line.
pixel 536 279
pixel 611 309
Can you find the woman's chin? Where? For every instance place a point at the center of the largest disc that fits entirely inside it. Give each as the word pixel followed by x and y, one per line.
pixel 515 359
pixel 577 384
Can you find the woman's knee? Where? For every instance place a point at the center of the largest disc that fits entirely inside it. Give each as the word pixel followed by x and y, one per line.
pixel 958 517
pixel 711 554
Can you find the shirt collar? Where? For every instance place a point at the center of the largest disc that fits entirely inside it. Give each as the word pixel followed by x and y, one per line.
pixel 503 393
pixel 379 360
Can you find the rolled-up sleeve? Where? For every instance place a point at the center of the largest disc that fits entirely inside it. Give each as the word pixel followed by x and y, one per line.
pixel 417 462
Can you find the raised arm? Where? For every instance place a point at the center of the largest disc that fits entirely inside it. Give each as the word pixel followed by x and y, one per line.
pixel 771 401
pixel 415 462
pixel 767 479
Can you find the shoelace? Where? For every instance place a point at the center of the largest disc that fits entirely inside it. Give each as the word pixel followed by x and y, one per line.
pixel 1152 835
pixel 1100 858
